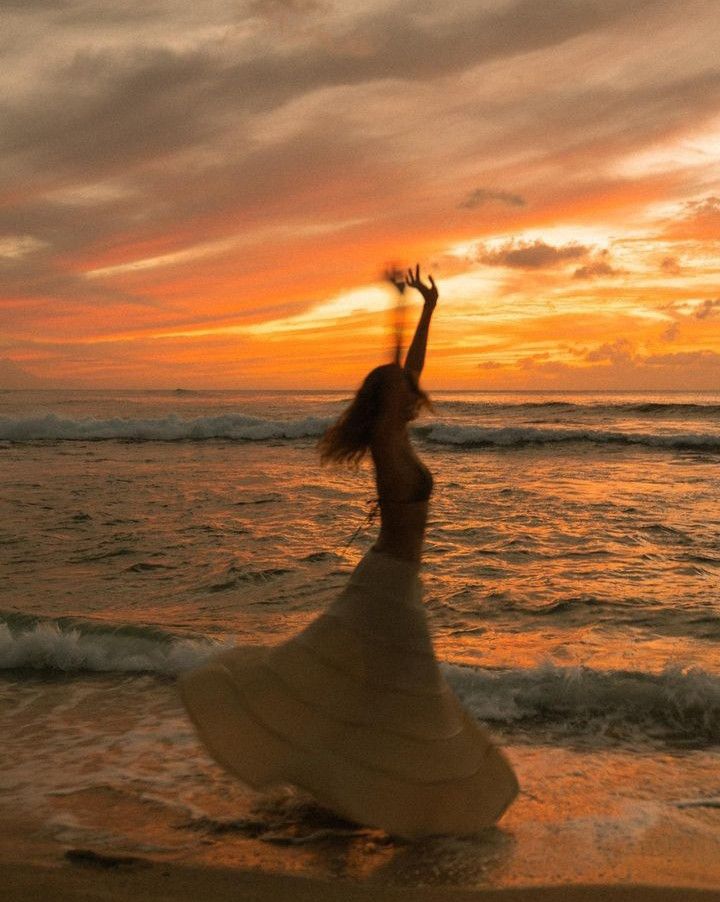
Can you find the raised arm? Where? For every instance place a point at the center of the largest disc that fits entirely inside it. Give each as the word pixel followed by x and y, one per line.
pixel 415 359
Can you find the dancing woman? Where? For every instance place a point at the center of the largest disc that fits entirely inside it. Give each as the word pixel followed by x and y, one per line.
pixel 354 709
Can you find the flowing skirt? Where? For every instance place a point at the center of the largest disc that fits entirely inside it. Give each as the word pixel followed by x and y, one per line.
pixel 354 709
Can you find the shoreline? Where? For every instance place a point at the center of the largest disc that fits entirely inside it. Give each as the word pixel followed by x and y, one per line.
pixel 169 882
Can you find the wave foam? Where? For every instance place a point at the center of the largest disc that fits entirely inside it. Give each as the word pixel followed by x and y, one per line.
pixel 169 428
pixel 242 427
pixel 517 436
pixel 675 705
pixel 681 705
pixel 591 408
pixel 49 647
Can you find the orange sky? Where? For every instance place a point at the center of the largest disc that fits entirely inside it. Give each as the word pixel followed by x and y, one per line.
pixel 203 195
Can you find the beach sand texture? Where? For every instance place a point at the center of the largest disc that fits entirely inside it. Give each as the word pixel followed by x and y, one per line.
pixel 163 883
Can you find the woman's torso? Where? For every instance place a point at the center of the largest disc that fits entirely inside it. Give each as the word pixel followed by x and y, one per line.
pixel 404 485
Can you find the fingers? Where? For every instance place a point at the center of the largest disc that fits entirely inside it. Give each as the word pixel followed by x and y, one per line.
pixel 412 278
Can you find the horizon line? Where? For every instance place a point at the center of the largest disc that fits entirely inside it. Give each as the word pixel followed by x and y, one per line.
pixel 183 390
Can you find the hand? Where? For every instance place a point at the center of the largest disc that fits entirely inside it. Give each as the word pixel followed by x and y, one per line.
pixel 395 277
pixel 429 292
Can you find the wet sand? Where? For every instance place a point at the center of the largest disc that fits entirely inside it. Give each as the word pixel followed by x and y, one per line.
pixel 158 882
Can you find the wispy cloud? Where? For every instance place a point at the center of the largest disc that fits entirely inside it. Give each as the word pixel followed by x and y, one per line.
pixel 597 268
pixel 217 166
pixel 531 255
pixel 619 351
pixel 708 309
pixel 479 196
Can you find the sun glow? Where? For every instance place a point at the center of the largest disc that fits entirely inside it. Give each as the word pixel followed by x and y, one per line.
pixel 181 208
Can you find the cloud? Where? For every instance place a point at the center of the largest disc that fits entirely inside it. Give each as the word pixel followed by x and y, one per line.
pixel 707 309
pixel 188 84
pixel 672 332
pixel 282 9
pixel 615 365
pixel 146 99
pixel 532 254
pixel 13 247
pixel 156 131
pixel 403 42
pixel 709 206
pixel 698 219
pixel 37 288
pixel 105 110
pixel 671 266
pixel 539 364
pixel 682 359
pixel 617 352
pixel 480 196
pixel 596 268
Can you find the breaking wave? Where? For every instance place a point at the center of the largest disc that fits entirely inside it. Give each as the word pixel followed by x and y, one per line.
pixel 241 427
pixel 73 646
pixel 518 436
pixel 680 705
pixel 676 705
pixel 168 428
pixel 648 408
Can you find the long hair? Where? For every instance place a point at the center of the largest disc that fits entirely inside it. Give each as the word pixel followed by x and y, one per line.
pixel 348 440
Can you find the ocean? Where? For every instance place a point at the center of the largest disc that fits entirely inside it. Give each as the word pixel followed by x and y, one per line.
pixel 572 584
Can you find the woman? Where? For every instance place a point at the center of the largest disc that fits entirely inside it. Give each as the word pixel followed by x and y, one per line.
pixel 354 709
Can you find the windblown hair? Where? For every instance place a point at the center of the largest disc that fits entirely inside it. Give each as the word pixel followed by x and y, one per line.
pixel 348 440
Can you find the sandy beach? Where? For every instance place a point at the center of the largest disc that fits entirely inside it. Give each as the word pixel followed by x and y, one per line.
pixel 160 882
pixel 34 868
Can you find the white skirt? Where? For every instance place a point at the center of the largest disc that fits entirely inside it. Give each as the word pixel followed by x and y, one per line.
pixel 354 710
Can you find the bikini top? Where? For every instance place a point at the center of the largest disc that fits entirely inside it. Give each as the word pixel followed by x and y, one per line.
pixel 422 492
pixel 425 485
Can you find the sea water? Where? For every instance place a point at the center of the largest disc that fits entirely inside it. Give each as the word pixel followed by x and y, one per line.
pixel 572 584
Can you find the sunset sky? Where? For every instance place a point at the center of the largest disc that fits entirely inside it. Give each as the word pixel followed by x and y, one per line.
pixel 203 194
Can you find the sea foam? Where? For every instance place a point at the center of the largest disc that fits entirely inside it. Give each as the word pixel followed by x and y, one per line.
pixel 168 428
pixel 677 705
pixel 518 436
pixel 51 648
pixel 242 427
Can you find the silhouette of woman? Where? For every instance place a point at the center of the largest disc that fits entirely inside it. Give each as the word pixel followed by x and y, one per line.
pixel 354 709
